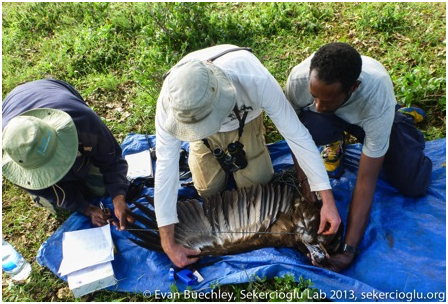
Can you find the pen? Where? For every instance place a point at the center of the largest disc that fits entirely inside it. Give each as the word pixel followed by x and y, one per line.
pixel 105 211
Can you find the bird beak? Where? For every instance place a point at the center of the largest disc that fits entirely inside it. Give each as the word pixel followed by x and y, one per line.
pixel 317 252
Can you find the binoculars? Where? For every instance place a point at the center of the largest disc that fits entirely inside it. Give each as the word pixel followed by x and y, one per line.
pixel 234 159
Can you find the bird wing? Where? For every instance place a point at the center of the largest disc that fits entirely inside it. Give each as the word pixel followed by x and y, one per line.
pixel 236 221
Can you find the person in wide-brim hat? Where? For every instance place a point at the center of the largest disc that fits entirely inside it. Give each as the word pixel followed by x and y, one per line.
pixel 60 151
pixel 214 99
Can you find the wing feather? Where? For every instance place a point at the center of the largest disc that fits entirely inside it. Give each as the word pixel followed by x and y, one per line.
pixel 231 222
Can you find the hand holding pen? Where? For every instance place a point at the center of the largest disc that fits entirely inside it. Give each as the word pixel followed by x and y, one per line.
pixel 106 211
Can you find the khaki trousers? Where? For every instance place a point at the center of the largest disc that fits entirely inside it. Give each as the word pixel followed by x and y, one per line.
pixel 208 176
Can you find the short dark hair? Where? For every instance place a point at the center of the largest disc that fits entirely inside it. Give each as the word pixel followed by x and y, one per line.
pixel 337 62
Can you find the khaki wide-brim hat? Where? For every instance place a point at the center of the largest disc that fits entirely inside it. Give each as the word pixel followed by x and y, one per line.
pixel 39 148
pixel 199 97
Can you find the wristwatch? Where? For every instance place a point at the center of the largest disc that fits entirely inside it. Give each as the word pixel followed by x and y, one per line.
pixel 351 249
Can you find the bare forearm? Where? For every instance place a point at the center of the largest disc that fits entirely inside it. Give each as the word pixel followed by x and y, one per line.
pixel 167 236
pixel 358 217
pixel 329 215
pixel 362 199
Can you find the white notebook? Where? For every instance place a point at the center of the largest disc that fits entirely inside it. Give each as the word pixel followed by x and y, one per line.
pixel 139 165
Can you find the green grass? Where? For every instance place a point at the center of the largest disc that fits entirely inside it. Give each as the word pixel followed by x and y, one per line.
pixel 116 53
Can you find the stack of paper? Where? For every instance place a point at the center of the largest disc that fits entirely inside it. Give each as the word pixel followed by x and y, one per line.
pixel 139 165
pixel 86 260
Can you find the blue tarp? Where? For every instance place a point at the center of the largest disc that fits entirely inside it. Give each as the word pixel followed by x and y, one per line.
pixel 402 257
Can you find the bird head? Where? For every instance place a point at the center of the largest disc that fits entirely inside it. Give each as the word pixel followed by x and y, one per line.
pixel 306 217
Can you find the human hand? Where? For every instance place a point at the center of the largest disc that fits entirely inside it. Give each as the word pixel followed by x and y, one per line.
pixel 337 262
pixel 120 208
pixel 329 215
pixel 329 220
pixel 181 256
pixel 178 254
pixel 96 215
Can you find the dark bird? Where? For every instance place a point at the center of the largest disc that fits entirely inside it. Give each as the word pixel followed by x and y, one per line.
pixel 273 215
